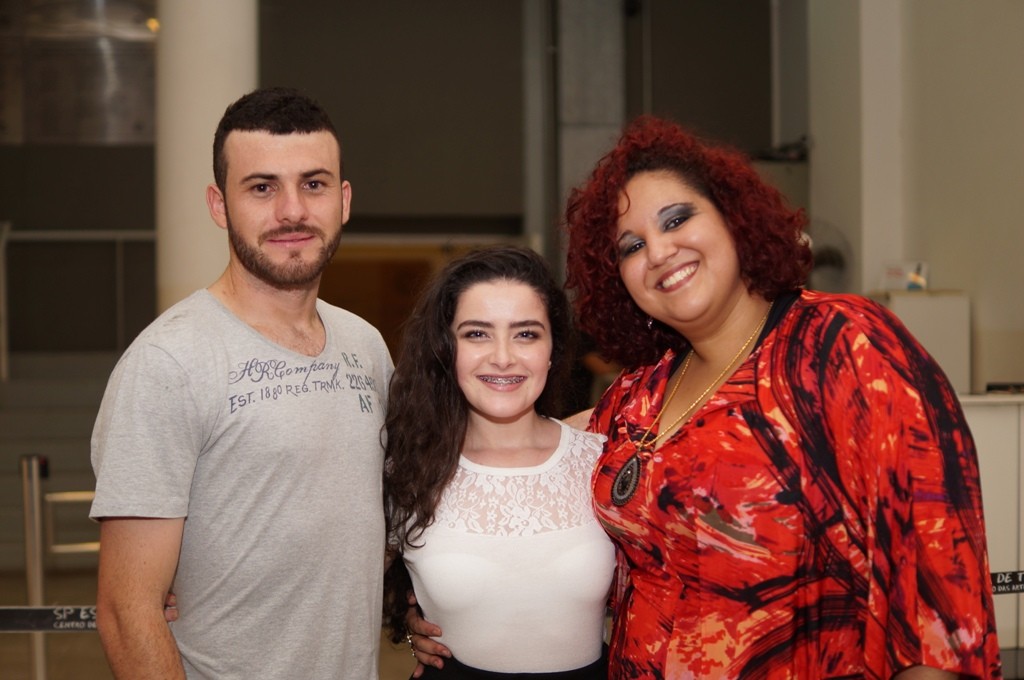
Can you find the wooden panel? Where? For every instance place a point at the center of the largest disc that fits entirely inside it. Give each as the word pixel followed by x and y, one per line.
pixel 382 283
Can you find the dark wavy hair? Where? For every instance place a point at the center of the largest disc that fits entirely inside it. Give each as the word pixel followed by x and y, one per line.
pixel 774 258
pixel 277 110
pixel 427 412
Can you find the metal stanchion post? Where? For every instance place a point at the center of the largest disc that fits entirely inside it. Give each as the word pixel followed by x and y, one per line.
pixel 32 498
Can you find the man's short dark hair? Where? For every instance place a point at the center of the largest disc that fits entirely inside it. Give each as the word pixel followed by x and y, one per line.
pixel 277 110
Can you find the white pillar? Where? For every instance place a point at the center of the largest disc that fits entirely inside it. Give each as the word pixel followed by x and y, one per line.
pixel 881 60
pixel 834 115
pixel 592 86
pixel 857 172
pixel 206 57
pixel 540 209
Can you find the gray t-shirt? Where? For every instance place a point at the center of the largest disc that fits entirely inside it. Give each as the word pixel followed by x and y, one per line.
pixel 275 459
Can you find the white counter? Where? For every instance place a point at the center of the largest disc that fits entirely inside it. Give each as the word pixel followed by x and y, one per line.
pixel 997 424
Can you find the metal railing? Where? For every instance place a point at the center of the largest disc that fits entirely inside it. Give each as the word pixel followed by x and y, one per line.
pixel 40 540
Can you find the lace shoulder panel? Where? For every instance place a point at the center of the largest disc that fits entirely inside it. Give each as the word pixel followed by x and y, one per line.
pixel 524 502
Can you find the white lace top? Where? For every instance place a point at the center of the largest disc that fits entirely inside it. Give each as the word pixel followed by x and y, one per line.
pixel 515 568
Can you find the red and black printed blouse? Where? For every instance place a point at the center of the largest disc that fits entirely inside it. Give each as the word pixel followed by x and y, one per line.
pixel 819 517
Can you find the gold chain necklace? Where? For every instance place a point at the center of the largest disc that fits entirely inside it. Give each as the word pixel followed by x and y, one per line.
pixel 628 478
pixel 682 372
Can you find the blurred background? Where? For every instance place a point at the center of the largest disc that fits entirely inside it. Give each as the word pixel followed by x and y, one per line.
pixel 896 124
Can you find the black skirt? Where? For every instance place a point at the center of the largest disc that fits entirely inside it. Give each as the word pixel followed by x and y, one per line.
pixel 454 670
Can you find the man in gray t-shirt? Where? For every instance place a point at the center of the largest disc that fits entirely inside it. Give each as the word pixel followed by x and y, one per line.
pixel 238 447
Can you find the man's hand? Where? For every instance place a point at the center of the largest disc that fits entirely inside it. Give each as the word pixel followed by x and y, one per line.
pixel 428 652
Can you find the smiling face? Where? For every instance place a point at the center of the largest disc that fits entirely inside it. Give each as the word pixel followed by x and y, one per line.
pixel 502 349
pixel 677 258
pixel 284 204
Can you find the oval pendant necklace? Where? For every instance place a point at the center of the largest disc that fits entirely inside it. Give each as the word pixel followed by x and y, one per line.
pixel 627 479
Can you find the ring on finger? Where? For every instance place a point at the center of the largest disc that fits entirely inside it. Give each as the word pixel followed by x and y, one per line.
pixel 412 647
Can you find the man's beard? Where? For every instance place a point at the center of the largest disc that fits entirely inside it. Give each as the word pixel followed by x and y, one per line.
pixel 294 273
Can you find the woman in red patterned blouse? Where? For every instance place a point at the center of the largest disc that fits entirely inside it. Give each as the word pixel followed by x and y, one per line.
pixel 788 475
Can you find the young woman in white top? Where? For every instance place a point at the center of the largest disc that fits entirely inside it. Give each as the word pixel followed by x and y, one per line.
pixel 488 497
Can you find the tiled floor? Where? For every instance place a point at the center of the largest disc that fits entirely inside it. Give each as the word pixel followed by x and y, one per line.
pixel 78 656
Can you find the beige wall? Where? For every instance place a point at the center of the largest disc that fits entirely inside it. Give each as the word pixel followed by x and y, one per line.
pixel 958 161
pixel 965 165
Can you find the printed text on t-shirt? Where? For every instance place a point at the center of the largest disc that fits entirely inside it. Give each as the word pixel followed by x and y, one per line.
pixel 277 379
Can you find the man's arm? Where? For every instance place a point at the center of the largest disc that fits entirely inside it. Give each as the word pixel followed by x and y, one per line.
pixel 924 673
pixel 426 650
pixel 579 420
pixel 138 557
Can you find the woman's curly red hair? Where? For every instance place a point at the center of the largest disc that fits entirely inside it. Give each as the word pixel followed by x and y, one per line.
pixel 774 257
